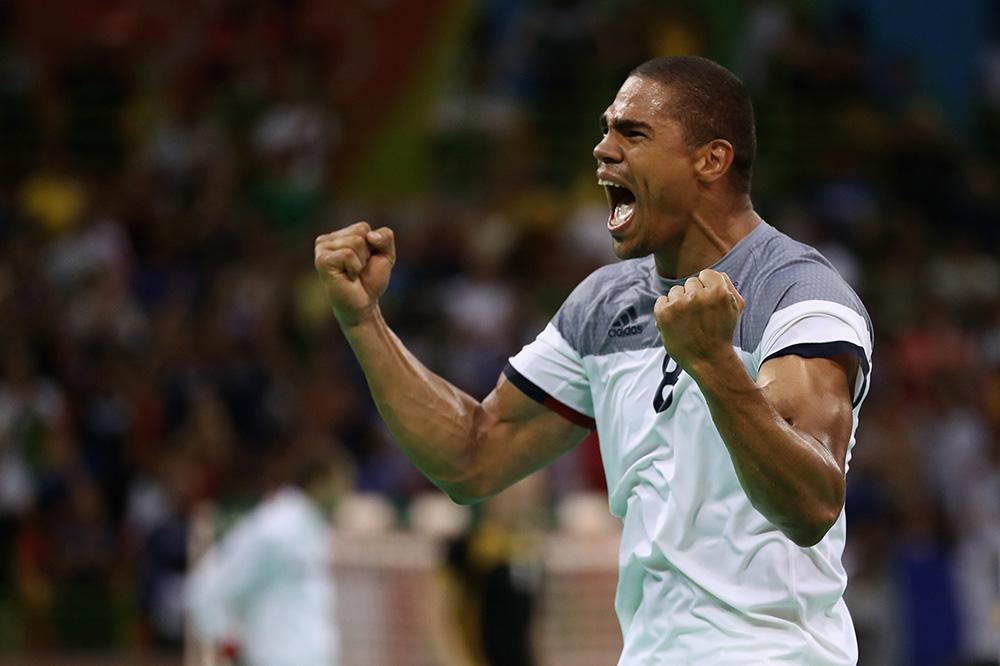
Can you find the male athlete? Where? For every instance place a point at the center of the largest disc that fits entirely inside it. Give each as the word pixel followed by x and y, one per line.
pixel 722 365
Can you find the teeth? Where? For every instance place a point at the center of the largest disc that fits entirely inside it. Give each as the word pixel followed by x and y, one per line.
pixel 607 183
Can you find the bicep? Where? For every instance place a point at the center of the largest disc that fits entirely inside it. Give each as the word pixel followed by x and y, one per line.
pixel 814 396
pixel 517 435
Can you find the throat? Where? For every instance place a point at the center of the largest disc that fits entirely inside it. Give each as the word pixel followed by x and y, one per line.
pixel 694 253
pixel 703 243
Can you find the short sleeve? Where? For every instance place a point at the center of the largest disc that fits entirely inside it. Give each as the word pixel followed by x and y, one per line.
pixel 819 328
pixel 550 371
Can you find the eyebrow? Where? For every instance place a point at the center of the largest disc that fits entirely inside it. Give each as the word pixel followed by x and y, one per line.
pixel 623 125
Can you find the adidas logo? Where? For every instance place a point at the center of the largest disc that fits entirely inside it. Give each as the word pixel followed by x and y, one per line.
pixel 624 325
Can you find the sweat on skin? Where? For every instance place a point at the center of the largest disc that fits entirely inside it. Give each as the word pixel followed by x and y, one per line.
pixel 741 473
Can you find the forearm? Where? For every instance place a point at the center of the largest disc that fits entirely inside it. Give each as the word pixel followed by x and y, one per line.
pixel 789 475
pixel 434 423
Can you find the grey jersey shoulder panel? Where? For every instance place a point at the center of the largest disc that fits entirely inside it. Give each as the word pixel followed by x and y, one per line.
pixel 778 272
pixel 612 309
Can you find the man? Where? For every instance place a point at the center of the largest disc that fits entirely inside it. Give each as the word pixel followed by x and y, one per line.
pixel 723 374
pixel 266 592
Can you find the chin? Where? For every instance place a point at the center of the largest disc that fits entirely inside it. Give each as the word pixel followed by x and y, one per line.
pixel 628 249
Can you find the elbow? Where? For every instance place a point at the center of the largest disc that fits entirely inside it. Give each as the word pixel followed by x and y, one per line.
pixel 472 481
pixel 813 526
pixel 463 496
pixel 470 490
pixel 466 497
pixel 807 537
pixel 808 533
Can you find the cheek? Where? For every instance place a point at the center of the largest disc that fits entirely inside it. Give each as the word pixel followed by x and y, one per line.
pixel 666 174
pixel 675 187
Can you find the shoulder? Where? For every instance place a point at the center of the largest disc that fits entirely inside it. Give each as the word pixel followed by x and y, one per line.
pixel 614 292
pixel 288 512
pixel 790 274
pixel 608 280
pixel 800 271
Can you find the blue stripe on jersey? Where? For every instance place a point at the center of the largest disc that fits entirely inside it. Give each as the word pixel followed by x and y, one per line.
pixel 527 387
pixel 827 350
pixel 538 394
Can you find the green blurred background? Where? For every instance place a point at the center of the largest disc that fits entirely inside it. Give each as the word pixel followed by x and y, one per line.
pixel 164 168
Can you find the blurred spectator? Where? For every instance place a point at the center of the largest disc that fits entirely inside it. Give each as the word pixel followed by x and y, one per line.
pixel 266 591
pixel 85 552
pixel 485 596
pixel 162 174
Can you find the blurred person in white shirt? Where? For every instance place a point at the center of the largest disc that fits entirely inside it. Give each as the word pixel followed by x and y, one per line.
pixel 266 590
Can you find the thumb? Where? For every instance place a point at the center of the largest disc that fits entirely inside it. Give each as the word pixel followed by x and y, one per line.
pixel 737 296
pixel 384 242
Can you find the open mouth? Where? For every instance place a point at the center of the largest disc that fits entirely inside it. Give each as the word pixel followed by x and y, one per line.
pixel 621 201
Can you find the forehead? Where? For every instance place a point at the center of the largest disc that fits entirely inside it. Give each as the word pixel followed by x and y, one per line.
pixel 640 99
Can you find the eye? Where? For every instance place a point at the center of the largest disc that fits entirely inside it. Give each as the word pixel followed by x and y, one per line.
pixel 634 134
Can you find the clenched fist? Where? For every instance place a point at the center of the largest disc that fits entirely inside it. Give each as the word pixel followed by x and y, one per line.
pixel 696 320
pixel 354 264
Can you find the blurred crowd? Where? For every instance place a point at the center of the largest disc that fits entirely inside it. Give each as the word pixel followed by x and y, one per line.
pixel 163 175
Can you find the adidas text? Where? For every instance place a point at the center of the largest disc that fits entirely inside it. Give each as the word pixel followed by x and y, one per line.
pixel 622 331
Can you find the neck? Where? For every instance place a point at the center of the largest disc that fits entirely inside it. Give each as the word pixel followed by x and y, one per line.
pixel 710 234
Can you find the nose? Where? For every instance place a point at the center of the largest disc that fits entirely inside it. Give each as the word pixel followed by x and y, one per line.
pixel 607 150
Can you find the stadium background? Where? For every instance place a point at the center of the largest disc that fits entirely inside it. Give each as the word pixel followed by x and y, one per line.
pixel 164 168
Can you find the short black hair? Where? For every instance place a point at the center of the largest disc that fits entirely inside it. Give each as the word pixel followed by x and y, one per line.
pixel 710 102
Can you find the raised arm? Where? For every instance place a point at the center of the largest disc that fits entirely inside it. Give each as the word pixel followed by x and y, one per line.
pixel 788 432
pixel 469 449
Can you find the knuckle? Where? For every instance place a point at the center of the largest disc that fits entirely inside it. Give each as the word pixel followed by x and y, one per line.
pixel 353 242
pixel 342 255
pixel 350 230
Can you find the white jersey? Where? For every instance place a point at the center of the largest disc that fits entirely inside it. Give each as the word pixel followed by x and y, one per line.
pixel 269 585
pixel 704 577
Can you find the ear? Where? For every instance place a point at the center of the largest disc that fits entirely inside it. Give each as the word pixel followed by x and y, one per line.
pixel 713 160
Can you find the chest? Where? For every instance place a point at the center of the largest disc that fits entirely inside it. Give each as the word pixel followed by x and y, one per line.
pixel 644 386
pixel 647 407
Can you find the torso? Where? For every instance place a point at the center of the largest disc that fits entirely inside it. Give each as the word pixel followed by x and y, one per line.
pixel 698 562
